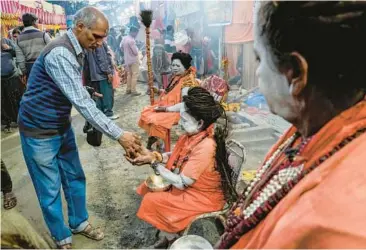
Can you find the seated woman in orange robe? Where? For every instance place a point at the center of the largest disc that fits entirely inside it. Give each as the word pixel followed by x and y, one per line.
pixel 311 190
pixel 158 118
pixel 198 186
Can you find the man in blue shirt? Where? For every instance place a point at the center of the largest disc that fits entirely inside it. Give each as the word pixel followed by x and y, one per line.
pixel 48 141
pixel 100 70
pixel 11 86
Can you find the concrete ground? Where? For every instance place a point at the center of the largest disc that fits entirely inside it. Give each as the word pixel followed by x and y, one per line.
pixel 111 182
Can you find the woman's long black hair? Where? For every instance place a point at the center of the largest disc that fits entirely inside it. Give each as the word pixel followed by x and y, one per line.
pixel 202 106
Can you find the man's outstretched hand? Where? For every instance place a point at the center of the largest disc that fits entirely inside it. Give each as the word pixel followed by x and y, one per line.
pixel 131 143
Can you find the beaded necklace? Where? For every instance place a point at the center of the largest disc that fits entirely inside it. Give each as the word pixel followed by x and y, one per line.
pixel 184 156
pixel 266 191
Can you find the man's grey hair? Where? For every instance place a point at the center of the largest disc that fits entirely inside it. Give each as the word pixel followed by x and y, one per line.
pixel 88 16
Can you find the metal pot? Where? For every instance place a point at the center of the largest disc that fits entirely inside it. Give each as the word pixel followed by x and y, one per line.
pixel 191 242
pixel 156 183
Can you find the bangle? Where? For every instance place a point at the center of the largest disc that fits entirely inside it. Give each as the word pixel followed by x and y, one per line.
pixel 154 165
pixel 157 156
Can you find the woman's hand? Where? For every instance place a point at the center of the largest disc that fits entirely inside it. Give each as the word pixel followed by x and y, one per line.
pixel 160 109
pixel 143 157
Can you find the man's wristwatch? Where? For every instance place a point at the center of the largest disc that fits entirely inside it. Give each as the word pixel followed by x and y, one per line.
pixel 154 166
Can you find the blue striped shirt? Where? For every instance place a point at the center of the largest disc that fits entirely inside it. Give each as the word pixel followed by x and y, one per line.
pixel 66 72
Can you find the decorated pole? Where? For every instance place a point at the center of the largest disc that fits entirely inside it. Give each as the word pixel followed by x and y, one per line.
pixel 225 59
pixel 146 19
pixel 225 66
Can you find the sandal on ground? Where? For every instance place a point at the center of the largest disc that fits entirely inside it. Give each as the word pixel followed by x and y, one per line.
pixel 93 233
pixel 10 200
pixel 8 130
pixel 65 246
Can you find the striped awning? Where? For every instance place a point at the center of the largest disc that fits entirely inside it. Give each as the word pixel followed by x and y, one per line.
pixel 9 6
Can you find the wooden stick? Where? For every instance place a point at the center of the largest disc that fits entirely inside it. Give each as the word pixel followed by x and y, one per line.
pixel 146 19
pixel 149 67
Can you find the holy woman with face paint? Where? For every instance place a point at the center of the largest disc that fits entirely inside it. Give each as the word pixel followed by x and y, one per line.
pixel 192 169
pixel 157 119
pixel 310 191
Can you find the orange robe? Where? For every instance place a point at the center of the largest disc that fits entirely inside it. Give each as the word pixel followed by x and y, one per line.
pixel 158 123
pixel 173 210
pixel 327 208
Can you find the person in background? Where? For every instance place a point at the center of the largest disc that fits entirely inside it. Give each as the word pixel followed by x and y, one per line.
pixel 209 58
pixel 237 80
pixel 134 22
pixel 15 34
pixel 51 33
pixel 157 119
pixel 188 46
pixel 131 57
pixel 30 43
pixel 57 33
pixel 160 63
pixel 119 52
pixel 121 35
pixel 169 40
pixel 48 142
pixel 9 199
pixel 12 87
pixel 112 39
pixel 101 70
pixel 196 52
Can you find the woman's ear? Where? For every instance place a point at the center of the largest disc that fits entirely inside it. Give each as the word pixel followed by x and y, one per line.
pixel 299 77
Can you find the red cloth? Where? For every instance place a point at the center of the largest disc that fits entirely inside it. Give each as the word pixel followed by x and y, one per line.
pixel 116 80
pixel 215 84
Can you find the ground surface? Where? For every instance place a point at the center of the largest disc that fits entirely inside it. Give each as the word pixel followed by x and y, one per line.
pixel 111 182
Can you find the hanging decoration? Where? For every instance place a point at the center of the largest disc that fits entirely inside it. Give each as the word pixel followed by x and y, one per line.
pixel 9 19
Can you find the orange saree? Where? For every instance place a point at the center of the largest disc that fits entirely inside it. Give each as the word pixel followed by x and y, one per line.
pixel 172 211
pixel 157 123
pixel 327 208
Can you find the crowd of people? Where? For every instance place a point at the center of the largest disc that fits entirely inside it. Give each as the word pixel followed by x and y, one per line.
pixel 310 190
